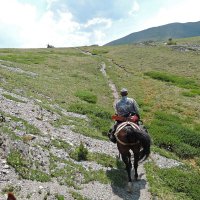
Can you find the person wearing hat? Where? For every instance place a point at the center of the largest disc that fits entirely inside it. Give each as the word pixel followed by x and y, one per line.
pixel 125 107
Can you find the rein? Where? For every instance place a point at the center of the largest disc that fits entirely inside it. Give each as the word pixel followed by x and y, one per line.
pixel 121 126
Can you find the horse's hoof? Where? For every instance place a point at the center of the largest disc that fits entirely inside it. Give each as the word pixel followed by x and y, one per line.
pixel 130 187
pixel 136 178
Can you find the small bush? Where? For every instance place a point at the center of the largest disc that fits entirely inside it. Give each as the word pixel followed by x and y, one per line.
pixel 87 96
pixel 171 42
pixel 182 181
pixel 185 151
pixel 100 118
pixel 80 153
pixel 169 133
pixel 59 197
pixel 78 196
pixel 87 109
pixel 176 80
pixel 189 94
pixel 98 51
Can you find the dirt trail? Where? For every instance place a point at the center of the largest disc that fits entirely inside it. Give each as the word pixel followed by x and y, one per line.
pixel 110 83
pixel 141 185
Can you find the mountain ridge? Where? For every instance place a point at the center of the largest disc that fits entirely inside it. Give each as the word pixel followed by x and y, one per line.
pixel 160 33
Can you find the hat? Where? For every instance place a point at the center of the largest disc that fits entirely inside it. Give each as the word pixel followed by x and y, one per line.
pixel 123 90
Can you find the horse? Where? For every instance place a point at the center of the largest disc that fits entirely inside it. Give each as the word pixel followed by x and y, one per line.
pixel 130 136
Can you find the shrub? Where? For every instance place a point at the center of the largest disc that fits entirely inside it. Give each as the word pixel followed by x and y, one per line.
pixel 87 96
pixel 174 79
pixel 100 118
pixel 99 51
pixel 80 153
pixel 169 133
pixel 182 181
pixel 189 94
pixel 171 42
pixel 59 197
pixel 87 109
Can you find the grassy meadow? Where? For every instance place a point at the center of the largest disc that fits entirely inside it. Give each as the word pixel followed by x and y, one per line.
pixel 164 81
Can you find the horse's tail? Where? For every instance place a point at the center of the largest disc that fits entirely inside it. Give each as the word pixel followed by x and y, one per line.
pixel 145 141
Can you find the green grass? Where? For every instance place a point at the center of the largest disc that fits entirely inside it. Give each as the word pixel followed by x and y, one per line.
pixel 170 133
pixel 78 196
pixel 174 79
pixel 165 83
pixel 87 96
pixel 28 58
pixel 71 170
pixel 100 118
pixel 59 197
pixel 61 73
pixel 60 144
pixel 99 51
pixel 174 183
pixel 23 167
pixel 28 128
pixel 80 153
pixel 12 98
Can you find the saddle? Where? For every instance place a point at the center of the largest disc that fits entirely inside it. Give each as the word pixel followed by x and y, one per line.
pixel 132 118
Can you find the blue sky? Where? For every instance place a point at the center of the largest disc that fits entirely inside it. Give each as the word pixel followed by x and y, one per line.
pixel 67 23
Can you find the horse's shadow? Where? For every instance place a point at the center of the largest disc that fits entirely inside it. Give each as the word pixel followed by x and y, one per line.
pixel 118 178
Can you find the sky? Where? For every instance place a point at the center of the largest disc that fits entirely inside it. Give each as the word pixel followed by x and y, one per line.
pixel 71 23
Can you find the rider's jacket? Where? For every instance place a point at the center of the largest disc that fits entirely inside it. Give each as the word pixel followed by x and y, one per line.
pixel 126 106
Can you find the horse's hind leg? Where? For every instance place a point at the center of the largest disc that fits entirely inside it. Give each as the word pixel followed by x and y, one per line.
pixel 136 159
pixel 127 162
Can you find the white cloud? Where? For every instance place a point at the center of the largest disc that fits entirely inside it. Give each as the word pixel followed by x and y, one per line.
pixel 182 11
pixel 99 37
pixel 14 13
pixel 61 32
pixel 49 3
pixel 99 21
pixel 76 23
pixel 23 22
pixel 135 8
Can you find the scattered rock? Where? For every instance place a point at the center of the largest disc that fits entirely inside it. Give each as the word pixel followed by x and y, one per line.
pixel 163 162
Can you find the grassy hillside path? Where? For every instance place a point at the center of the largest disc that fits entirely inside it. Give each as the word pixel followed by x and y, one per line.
pixel 141 187
pixel 32 129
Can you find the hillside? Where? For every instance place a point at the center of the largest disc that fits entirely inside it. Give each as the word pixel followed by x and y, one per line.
pixel 161 33
pixel 54 100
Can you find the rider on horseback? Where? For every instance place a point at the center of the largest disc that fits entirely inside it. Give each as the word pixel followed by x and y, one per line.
pixel 125 108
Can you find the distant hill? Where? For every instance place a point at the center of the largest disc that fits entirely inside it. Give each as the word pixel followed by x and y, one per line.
pixel 161 33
